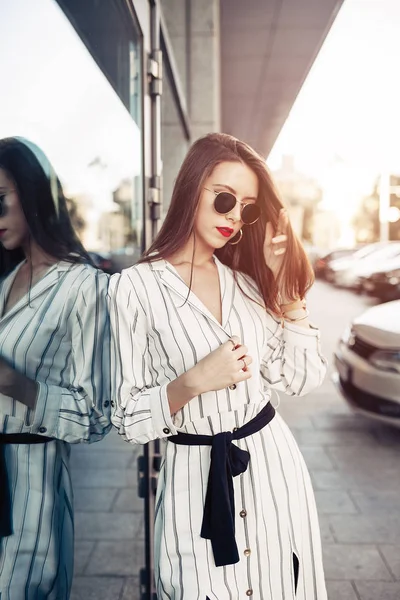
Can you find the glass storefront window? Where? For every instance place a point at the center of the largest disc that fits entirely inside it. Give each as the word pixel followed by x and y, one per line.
pixel 81 103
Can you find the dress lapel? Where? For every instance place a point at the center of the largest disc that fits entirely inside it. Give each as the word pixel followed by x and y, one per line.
pixel 49 280
pixel 171 279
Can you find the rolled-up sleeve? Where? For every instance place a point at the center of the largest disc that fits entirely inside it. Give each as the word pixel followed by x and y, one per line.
pixel 80 412
pixel 140 404
pixel 292 361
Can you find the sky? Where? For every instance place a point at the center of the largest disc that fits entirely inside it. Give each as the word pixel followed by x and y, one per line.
pixel 344 127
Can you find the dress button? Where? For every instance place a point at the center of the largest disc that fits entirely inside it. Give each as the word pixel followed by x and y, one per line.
pixel 166 430
pixel 243 513
pixel 106 403
pixel 247 552
pixel 249 592
pixel 233 386
pixel 42 429
pixel 112 403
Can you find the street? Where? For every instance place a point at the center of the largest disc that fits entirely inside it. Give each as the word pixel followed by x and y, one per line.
pixel 354 465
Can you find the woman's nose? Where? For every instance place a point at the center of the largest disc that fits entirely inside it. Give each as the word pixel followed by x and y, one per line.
pixel 235 214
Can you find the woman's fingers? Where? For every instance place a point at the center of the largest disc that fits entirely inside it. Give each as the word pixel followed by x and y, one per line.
pixel 234 341
pixel 240 352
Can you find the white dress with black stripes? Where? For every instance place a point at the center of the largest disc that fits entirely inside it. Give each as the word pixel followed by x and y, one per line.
pixel 156 336
pixel 57 335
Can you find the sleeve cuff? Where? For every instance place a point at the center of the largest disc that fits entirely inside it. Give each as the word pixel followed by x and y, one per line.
pixel 300 336
pixel 162 419
pixel 47 410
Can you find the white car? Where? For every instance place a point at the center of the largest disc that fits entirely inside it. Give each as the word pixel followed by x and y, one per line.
pixel 367 362
pixel 346 272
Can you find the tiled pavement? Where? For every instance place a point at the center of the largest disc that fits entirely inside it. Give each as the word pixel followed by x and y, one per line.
pixel 355 468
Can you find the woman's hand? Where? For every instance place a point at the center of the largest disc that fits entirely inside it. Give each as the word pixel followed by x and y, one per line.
pixel 16 385
pixel 226 366
pixel 275 242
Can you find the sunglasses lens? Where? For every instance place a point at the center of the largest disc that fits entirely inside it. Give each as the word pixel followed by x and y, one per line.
pixel 250 213
pixel 224 202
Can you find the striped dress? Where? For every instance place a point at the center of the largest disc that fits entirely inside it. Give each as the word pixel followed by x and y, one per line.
pixel 156 336
pixel 58 336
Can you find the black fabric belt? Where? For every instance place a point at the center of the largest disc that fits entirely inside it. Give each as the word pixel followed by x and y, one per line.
pixel 227 461
pixel 5 497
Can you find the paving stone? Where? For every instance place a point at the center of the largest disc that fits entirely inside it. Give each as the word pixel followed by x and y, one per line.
pixel 124 557
pixel 370 459
pixel 378 590
pixel 110 459
pixel 352 478
pixel 101 478
pixel 87 499
pixel 105 526
pixel 340 590
pixel 377 501
pixel 325 529
pixel 131 589
pixel 354 562
pixel 392 557
pixel 128 501
pixel 294 421
pixel 82 552
pixel 327 480
pixel 333 437
pixel 334 502
pixel 348 421
pixel 97 588
pixel 316 458
pixel 366 529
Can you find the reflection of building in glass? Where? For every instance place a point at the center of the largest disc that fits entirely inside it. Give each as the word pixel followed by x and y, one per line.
pixel 89 130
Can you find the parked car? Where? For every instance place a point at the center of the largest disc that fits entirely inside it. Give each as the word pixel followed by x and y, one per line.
pixel 322 263
pixel 346 272
pixel 367 362
pixel 384 282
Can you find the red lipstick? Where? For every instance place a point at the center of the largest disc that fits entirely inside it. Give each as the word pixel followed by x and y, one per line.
pixel 225 231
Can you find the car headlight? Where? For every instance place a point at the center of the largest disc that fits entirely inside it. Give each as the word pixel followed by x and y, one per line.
pixel 387 360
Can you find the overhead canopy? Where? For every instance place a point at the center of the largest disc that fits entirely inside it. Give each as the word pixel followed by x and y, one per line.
pixel 267 50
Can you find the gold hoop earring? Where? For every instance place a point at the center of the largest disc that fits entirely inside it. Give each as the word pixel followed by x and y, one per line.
pixel 240 233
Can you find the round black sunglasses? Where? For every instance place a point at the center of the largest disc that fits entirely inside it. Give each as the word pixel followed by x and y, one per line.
pixel 224 202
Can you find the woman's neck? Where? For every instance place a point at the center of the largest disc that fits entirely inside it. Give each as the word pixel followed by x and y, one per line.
pixel 36 257
pixel 201 257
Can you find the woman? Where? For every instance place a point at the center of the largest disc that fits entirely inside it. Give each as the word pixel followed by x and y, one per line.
pixel 54 373
pixel 209 322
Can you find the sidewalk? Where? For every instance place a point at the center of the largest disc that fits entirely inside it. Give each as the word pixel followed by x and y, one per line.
pixel 109 524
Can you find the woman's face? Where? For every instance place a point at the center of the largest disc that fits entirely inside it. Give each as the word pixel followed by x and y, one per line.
pixel 213 229
pixel 14 230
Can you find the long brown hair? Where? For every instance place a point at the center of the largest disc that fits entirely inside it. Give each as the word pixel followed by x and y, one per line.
pixel 296 275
